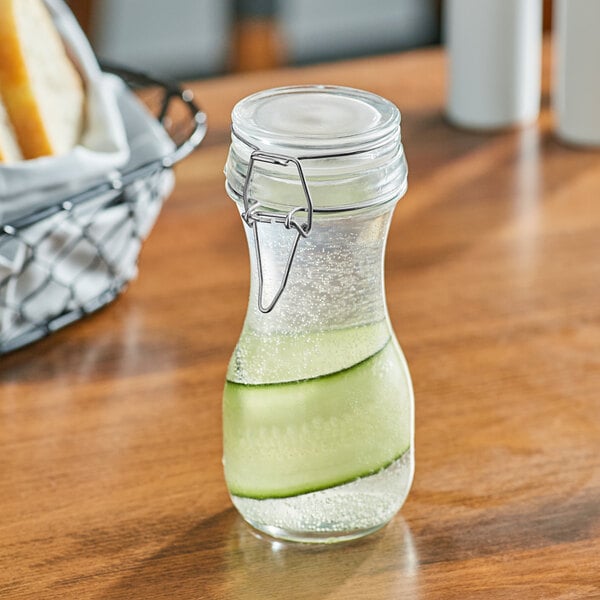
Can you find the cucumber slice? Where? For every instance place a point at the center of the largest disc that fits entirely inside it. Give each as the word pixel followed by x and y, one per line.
pixel 260 358
pixel 287 439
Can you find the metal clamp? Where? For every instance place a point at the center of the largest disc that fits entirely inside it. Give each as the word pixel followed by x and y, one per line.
pixel 252 216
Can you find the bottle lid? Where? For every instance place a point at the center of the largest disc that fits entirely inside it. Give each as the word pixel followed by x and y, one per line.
pixel 346 145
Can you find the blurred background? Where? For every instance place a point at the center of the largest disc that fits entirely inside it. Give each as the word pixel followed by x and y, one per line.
pixel 203 38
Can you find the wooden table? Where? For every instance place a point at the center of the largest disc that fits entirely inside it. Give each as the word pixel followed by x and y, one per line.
pixel 111 483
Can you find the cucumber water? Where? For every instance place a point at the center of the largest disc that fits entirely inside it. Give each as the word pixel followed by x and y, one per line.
pixel 318 403
pixel 300 425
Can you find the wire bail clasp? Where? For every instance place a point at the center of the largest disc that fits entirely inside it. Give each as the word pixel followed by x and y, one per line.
pixel 253 215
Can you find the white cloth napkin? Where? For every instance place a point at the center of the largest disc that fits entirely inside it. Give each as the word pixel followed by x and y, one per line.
pixel 29 185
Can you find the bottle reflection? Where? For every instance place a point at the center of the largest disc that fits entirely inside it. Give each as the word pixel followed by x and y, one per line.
pixel 527 200
pixel 268 568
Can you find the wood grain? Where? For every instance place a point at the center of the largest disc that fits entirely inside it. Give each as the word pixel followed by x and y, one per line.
pixel 111 484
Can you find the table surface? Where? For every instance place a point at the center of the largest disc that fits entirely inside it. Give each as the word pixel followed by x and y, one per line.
pixel 111 483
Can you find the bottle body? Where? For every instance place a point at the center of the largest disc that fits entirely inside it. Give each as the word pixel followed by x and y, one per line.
pixel 318 405
pixel 494 52
pixel 576 95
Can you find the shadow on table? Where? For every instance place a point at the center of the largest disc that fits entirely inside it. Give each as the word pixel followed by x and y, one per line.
pixel 221 557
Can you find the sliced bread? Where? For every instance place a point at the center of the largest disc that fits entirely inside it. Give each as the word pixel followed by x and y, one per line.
pixel 9 149
pixel 41 89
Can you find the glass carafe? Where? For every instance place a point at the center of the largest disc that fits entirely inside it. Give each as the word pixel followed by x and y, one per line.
pixel 318 403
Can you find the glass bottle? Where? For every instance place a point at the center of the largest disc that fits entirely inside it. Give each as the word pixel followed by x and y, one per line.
pixel 494 62
pixel 318 412
pixel 576 90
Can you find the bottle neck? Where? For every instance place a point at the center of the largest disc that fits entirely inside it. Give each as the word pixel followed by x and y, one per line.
pixel 335 280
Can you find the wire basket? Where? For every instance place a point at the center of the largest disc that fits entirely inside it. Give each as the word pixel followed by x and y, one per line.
pixel 66 261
